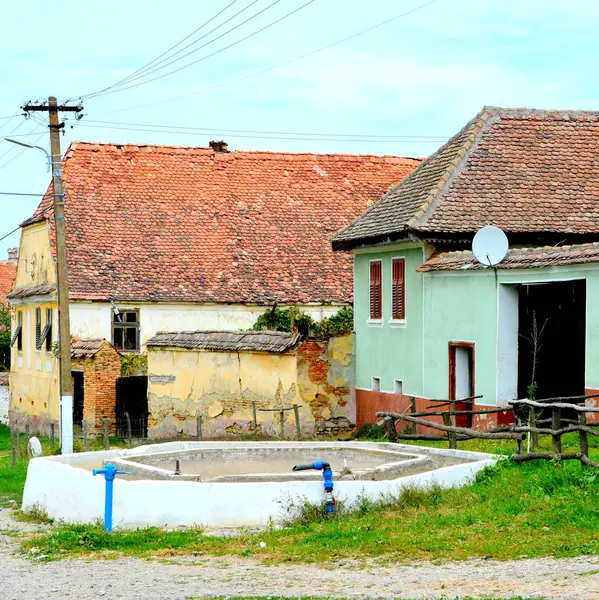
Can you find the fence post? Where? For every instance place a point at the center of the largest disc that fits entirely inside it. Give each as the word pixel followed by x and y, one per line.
pixel 199 427
pixel 255 421
pixel 84 434
pixel 106 440
pixel 298 429
pixel 556 423
pixel 27 436
pixel 13 447
pixel 532 422
pixel 582 436
pixel 413 410
pixel 128 429
pixel 282 419
pixel 18 443
pixel 453 438
pixel 52 434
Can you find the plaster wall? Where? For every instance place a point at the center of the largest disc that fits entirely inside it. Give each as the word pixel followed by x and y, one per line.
pixel 73 495
pixel 94 319
pixel 221 387
pixel 35 266
pixel 386 349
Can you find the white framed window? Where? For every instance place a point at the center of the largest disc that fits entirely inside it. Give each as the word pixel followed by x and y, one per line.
pixel 376 384
pixel 397 386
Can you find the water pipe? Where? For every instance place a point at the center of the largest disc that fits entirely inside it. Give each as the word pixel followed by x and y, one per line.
pixel 110 472
pixel 327 473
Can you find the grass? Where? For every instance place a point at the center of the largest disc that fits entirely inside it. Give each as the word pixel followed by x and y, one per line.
pixel 510 511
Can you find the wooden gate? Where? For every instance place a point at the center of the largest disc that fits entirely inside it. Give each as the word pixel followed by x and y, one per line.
pixel 132 398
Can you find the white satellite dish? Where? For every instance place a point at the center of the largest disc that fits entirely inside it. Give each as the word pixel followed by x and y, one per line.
pixel 490 245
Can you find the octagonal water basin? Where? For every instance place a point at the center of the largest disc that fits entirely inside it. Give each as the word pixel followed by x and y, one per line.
pixel 231 484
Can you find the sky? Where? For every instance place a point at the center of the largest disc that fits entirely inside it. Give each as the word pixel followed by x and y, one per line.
pixel 421 76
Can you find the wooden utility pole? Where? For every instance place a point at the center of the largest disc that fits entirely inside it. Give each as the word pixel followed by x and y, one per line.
pixel 64 327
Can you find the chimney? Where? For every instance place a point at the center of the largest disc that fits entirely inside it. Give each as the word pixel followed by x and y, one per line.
pixel 13 255
pixel 219 146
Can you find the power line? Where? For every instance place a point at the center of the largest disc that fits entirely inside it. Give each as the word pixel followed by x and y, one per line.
pixel 121 89
pixel 21 123
pixel 21 152
pixel 261 132
pixel 154 63
pixel 21 194
pixel 10 233
pixel 267 137
pixel 283 64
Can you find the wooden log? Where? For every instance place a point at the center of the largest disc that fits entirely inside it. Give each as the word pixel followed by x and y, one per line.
pixel 556 422
pixel 129 435
pixel 583 439
pixel 52 425
pixel 546 456
pixel 84 434
pixel 255 421
pixel 575 407
pixel 199 432
pixel 430 438
pixel 570 429
pixel 13 446
pixel 440 413
pixel 469 400
pixel 282 422
pixel 298 428
pixel 508 435
pixel 452 422
pixel 585 460
pixel 532 421
pixel 390 428
pixel 413 412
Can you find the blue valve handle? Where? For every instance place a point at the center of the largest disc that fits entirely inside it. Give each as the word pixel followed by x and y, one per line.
pixel 110 472
pixel 327 473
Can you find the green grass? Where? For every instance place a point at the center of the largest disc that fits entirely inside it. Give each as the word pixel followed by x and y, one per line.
pixel 510 512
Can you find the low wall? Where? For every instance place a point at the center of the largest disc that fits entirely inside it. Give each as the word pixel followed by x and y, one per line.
pixel 74 495
pixel 222 387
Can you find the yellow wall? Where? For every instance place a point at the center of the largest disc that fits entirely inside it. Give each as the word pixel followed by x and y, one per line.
pixel 36 266
pixel 219 386
pixel 34 373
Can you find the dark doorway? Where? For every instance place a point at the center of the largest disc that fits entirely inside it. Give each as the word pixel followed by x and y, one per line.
pixel 553 314
pixel 132 398
pixel 78 398
pixel 461 378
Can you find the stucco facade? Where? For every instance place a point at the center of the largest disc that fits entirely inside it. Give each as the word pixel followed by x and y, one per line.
pixel 221 387
pixel 476 308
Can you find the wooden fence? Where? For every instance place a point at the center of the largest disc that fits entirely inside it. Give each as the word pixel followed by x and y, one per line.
pixel 567 415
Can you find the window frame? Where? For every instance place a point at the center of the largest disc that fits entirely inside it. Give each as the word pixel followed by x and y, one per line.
pixel 17 335
pixel 122 326
pixel 398 318
pixel 372 318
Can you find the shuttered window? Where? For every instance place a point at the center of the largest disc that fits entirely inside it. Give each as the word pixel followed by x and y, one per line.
pixel 398 301
pixel 376 291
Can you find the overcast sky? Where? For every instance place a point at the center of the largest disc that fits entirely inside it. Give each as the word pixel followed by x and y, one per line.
pixel 423 74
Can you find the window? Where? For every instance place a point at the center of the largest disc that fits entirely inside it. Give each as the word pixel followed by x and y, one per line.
pixel 376 384
pixel 398 386
pixel 18 333
pixel 38 328
pixel 398 289
pixel 125 330
pixel 45 337
pixel 376 308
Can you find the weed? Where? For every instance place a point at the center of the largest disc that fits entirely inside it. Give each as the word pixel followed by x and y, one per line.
pixel 35 514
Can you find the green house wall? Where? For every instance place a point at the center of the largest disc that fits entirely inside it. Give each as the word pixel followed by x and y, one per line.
pixel 443 307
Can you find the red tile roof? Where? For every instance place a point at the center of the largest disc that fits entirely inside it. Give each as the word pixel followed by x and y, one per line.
pixel 8 270
pixel 522 170
pixel 151 223
pixel 516 258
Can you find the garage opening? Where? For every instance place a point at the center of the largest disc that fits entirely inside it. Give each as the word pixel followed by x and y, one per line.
pixel 551 344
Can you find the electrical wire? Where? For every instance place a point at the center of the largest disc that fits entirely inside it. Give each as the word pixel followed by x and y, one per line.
pixel 268 137
pixel 21 123
pixel 22 151
pixel 10 233
pixel 154 63
pixel 283 64
pixel 217 130
pixel 21 194
pixel 243 39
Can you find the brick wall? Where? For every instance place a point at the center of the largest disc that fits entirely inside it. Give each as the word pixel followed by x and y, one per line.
pixel 100 374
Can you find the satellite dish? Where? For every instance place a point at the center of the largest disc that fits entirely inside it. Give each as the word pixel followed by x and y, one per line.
pixel 490 245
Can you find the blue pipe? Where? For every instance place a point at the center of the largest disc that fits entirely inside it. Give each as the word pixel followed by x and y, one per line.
pixel 327 473
pixel 110 472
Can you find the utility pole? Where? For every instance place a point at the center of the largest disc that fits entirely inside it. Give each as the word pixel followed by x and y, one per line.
pixel 64 327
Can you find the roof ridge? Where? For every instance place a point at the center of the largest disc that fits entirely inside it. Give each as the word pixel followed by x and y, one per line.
pixel 478 124
pixel 238 153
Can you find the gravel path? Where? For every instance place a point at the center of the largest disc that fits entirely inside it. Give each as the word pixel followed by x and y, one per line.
pixel 180 578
